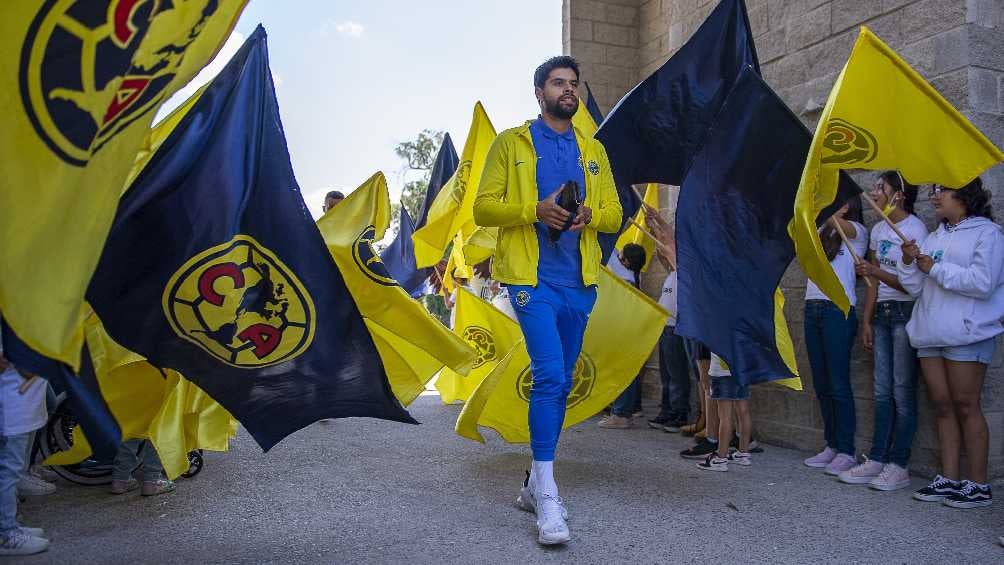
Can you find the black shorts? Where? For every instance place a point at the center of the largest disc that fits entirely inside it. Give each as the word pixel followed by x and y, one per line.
pixel 698 351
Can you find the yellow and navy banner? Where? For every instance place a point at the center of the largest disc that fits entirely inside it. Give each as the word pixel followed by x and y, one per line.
pixel 452 211
pixel 215 268
pixel 80 83
pixel 583 120
pixel 489 332
pixel 622 331
pixel 412 344
pixel 634 235
pixel 905 124
pixel 146 402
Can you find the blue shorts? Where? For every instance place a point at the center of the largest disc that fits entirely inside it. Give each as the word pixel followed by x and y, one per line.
pixel 728 388
pixel 979 352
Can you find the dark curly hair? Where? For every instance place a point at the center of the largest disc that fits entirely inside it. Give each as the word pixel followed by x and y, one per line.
pixel 559 62
pixel 635 256
pixel 899 184
pixel 975 198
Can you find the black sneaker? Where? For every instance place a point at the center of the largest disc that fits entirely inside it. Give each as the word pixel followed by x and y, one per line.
pixel 658 422
pixel 939 489
pixel 972 495
pixel 753 447
pixel 701 450
pixel 673 426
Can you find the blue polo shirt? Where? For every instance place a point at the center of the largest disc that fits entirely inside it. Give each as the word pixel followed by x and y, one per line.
pixel 558 161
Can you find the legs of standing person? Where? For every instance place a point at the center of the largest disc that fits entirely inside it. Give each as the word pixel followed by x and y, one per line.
pixel 838 338
pixel 12 449
pixel 820 378
pixel 904 376
pixel 949 434
pixel 725 429
pixel 885 358
pixel 665 406
pixel 965 381
pixel 624 405
pixel 678 383
pixel 126 460
pixel 745 420
pixel 711 418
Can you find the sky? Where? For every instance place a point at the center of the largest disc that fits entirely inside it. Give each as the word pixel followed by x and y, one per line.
pixel 353 79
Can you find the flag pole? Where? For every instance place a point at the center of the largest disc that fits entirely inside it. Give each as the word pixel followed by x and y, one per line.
pixel 843 236
pixel 662 247
pixel 884 217
pixel 642 198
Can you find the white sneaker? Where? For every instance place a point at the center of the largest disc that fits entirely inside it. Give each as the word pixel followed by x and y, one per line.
pixel 892 477
pixel 551 526
pixel 37 532
pixel 740 458
pixel 527 502
pixel 30 485
pixel 714 463
pixel 18 542
pixel 44 473
pixel 861 474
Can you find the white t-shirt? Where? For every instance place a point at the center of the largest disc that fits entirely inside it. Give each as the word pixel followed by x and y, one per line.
pixel 667 299
pixel 21 412
pixel 885 246
pixel 718 367
pixel 843 266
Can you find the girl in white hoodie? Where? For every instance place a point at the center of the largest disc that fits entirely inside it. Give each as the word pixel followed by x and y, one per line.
pixel 957 277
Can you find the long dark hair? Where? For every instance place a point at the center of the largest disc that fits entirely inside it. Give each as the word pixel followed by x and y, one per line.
pixel 635 256
pixel 830 238
pixel 975 198
pixel 899 184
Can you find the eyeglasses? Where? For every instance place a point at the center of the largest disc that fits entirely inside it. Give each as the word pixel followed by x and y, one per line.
pixel 935 191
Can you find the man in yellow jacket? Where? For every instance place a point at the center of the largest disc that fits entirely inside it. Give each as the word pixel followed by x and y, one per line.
pixel 552 283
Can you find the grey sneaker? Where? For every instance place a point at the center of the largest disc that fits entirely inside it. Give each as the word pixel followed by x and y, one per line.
pixel 37 532
pixel 122 487
pixel 528 503
pixel 44 473
pixel 160 486
pixel 552 529
pixel 19 542
pixel 30 485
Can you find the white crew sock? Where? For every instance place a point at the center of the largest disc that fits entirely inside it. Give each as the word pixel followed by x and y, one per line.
pixel 542 479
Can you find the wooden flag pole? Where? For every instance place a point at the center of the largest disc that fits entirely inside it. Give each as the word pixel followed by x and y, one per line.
pixel 884 217
pixel 662 247
pixel 642 199
pixel 854 255
pixel 26 384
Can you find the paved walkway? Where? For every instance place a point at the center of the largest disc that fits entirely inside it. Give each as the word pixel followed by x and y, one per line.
pixel 363 491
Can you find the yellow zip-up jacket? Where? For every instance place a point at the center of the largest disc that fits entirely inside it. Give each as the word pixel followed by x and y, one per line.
pixel 507 199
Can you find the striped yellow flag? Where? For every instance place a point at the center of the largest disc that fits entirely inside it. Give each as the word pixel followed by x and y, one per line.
pixel 881 114
pixel 412 344
pixel 634 235
pixel 80 83
pixel 623 329
pixel 453 209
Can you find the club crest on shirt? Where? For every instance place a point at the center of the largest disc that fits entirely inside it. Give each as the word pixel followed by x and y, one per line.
pixel 593 167
pixel 522 298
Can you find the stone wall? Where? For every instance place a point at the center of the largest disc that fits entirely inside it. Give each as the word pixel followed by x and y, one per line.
pixel 958 45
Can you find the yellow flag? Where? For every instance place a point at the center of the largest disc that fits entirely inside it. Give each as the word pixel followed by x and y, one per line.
pixel 583 120
pixel 881 114
pixel 81 83
pixel 412 344
pixel 634 235
pixel 784 345
pixel 453 208
pixel 489 332
pixel 481 244
pixel 162 406
pixel 623 329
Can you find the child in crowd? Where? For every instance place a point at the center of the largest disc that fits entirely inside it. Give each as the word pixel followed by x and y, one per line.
pixel 127 460
pixel 887 310
pixel 627 265
pixel 730 397
pixel 829 337
pixel 22 411
pixel 957 277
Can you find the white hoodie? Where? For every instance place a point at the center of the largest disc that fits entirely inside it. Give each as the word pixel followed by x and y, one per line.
pixel 961 301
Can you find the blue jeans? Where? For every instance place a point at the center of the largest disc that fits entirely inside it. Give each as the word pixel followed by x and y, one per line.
pixel 895 384
pixel 553 320
pixel 127 459
pixel 828 339
pixel 627 403
pixel 674 372
pixel 12 463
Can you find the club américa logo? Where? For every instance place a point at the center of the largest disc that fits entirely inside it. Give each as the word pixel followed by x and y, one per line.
pixel 522 298
pixel 368 260
pixel 83 78
pixel 483 343
pixel 582 382
pixel 241 304
pixel 848 144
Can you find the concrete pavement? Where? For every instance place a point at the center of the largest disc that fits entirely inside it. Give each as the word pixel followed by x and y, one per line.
pixel 366 491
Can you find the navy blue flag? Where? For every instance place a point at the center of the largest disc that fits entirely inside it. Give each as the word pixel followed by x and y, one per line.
pixel 732 228
pixel 82 392
pixel 399 258
pixel 652 134
pixel 447 162
pixel 214 268
pixel 592 107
